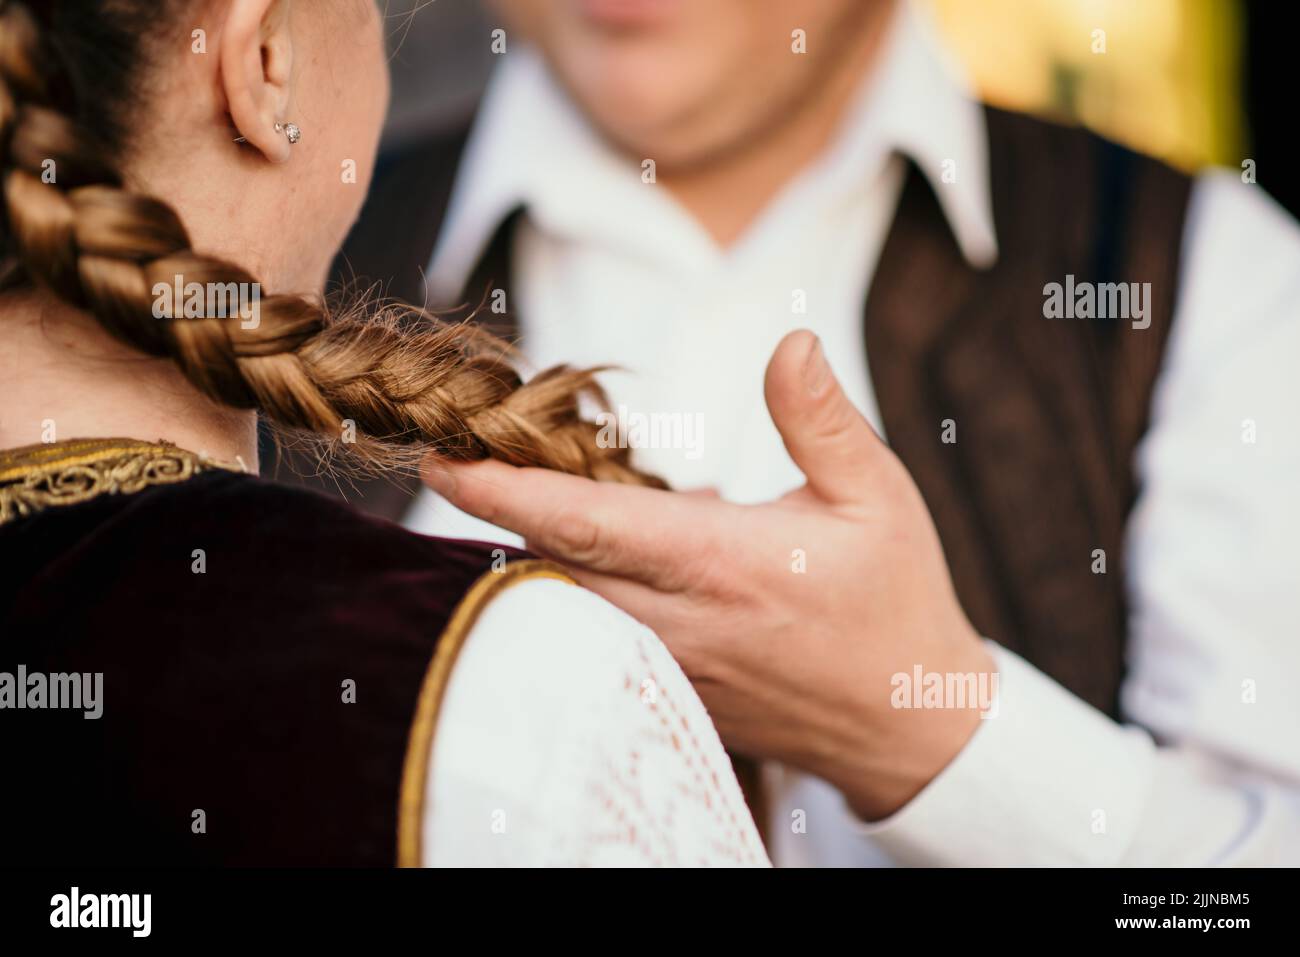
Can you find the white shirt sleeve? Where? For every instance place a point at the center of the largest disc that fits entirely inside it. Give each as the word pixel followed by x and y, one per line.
pixel 1206 769
pixel 569 736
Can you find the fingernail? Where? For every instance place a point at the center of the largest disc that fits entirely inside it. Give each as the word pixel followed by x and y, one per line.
pixel 816 370
pixel 439 478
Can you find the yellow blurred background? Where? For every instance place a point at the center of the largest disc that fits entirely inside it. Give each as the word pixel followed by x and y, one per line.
pixel 1168 82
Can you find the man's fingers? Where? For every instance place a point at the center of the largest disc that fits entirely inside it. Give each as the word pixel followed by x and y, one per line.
pixel 638 533
pixel 833 445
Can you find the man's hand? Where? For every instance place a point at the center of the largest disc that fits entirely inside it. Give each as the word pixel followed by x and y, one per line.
pixel 790 618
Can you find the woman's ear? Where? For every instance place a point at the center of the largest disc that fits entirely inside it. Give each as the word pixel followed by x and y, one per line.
pixel 257 71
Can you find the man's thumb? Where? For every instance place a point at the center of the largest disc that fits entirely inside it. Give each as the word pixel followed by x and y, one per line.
pixel 833 445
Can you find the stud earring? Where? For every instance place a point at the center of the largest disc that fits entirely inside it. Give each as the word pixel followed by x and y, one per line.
pixel 291 131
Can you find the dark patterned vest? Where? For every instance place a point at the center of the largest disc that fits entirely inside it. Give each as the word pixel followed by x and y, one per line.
pixel 272 665
pixel 1046 413
pixel 1036 490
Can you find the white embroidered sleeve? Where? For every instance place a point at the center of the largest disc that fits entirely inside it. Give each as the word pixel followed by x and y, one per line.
pixel 570 737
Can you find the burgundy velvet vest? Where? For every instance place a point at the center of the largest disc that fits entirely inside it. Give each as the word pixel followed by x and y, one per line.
pixel 1046 412
pixel 260 711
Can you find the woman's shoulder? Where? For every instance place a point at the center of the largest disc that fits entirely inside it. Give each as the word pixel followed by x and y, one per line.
pixel 236 549
pixel 269 514
pixel 314 529
pixel 571 736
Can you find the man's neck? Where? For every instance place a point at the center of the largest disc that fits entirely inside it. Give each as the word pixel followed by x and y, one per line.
pixel 727 195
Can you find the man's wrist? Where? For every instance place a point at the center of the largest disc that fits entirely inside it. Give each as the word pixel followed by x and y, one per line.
pixel 924 731
pixel 874 795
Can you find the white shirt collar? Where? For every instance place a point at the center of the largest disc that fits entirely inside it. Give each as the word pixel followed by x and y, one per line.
pixel 531 147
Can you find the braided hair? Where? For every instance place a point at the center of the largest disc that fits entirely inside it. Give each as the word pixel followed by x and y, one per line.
pixel 406 382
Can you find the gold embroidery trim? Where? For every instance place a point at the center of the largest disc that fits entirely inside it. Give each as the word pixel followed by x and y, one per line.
pixel 413 800
pixel 36 477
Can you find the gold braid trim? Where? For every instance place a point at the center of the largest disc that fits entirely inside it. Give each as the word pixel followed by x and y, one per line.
pixel 36 477
pixel 412 805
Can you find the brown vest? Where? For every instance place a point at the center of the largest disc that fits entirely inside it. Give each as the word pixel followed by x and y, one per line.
pixel 1047 412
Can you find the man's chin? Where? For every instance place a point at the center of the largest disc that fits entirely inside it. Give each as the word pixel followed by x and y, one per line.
pixel 672 149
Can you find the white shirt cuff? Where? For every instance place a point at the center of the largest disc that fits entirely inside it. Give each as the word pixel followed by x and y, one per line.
pixel 1045 780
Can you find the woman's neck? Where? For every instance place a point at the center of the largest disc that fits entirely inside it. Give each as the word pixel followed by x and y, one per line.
pixel 65 377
